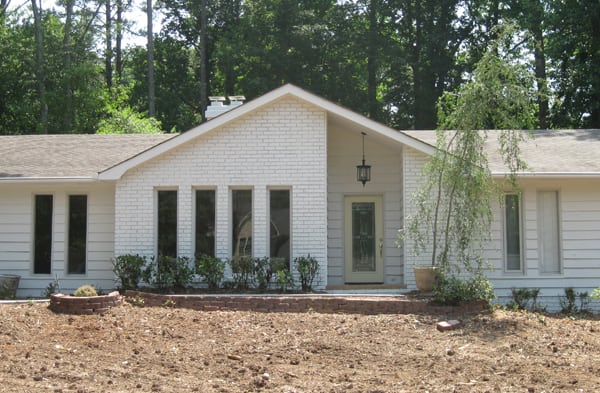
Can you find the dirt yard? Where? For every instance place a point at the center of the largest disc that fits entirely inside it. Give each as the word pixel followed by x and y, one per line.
pixel 133 349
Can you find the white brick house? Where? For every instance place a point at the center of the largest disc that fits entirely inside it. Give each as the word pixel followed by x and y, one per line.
pixel 278 169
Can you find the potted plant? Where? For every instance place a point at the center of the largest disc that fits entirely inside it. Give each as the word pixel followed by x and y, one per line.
pixel 8 285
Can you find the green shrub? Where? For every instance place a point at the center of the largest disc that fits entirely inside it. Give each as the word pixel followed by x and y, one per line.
pixel 211 270
pixel 129 270
pixel 263 270
pixel 308 267
pixel 521 298
pixel 243 272
pixel 568 302
pixel 285 280
pixel 167 273
pixel 452 290
pixel 85 291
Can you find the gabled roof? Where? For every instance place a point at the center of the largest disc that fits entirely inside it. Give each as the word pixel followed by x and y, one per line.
pixel 68 157
pixel 548 153
pixel 287 90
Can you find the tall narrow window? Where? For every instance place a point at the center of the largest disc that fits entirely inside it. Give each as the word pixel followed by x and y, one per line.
pixel 77 233
pixel 241 213
pixel 548 232
pixel 42 260
pixel 512 235
pixel 279 212
pixel 167 223
pixel 205 222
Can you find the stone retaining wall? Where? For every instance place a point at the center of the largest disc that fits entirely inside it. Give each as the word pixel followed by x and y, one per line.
pixel 304 303
pixel 84 305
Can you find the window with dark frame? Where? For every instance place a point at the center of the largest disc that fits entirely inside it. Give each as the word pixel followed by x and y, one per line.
pixel 77 247
pixel 42 259
pixel 241 209
pixel 205 223
pixel 512 220
pixel 279 213
pixel 167 223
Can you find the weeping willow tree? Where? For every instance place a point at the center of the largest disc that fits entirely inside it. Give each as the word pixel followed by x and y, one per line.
pixel 454 203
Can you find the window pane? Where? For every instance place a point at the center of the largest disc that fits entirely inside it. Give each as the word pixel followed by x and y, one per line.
pixel 77 233
pixel 548 231
pixel 205 222
pixel 513 232
pixel 280 225
pixel 43 234
pixel 363 237
pixel 241 209
pixel 167 223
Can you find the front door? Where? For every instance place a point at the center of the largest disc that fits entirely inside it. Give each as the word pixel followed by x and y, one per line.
pixel 363 238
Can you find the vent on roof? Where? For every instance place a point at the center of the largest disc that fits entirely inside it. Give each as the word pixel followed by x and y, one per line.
pixel 217 105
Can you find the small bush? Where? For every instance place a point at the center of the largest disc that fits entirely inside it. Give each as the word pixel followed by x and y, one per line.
pixel 167 273
pixel 568 302
pixel 243 272
pixel 263 270
pixel 524 299
pixel 211 270
pixel 129 270
pixel 285 280
pixel 85 291
pixel 452 290
pixel 308 267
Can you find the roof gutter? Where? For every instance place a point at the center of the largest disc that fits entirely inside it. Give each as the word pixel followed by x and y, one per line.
pixel 551 175
pixel 65 179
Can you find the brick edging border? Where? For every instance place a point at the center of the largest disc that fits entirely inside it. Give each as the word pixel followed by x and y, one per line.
pixel 304 303
pixel 68 304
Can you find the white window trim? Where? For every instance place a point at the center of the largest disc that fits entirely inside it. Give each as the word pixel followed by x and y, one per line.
pixel 155 214
pixel 203 188
pixel 268 228
pixel 68 229
pixel 559 228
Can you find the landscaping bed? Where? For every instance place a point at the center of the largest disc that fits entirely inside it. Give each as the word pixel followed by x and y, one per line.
pixel 164 349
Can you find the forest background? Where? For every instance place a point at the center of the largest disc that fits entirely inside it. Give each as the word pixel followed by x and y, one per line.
pixel 69 66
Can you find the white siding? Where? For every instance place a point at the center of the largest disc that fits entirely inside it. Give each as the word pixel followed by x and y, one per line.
pixel 344 153
pixel 17 215
pixel 283 144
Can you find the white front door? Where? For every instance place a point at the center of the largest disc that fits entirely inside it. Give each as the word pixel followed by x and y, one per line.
pixel 363 239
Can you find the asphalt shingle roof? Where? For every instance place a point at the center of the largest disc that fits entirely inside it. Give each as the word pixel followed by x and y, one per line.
pixel 547 152
pixel 69 156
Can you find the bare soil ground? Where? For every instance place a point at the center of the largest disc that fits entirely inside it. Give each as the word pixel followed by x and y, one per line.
pixel 131 349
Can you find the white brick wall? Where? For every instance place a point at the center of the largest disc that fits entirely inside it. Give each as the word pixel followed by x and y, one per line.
pixel 283 144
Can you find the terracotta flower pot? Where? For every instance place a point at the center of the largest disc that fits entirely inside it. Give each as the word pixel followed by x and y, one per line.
pixel 425 277
pixel 8 285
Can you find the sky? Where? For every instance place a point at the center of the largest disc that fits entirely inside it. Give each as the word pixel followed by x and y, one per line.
pixel 137 16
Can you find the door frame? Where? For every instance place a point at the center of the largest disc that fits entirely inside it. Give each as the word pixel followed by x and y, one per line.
pixel 377 276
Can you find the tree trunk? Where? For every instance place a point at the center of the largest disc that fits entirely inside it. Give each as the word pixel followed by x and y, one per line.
pixel 67 88
pixel 119 41
pixel 39 60
pixel 203 60
pixel 373 41
pixel 108 55
pixel 151 97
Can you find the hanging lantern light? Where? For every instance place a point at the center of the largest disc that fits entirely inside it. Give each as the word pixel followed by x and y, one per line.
pixel 363 171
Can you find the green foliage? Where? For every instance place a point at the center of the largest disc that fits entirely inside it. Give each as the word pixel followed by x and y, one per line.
pixel 308 267
pixel 128 269
pixel 568 302
pixel 263 270
pixel 595 294
pixel 285 280
pixel 524 298
pixel 243 272
pixel 453 290
pixel 211 270
pixel 136 301
pixel 123 119
pixel 167 273
pixel 85 291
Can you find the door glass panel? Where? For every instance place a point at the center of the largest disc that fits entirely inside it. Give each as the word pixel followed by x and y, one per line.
pixel 363 237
